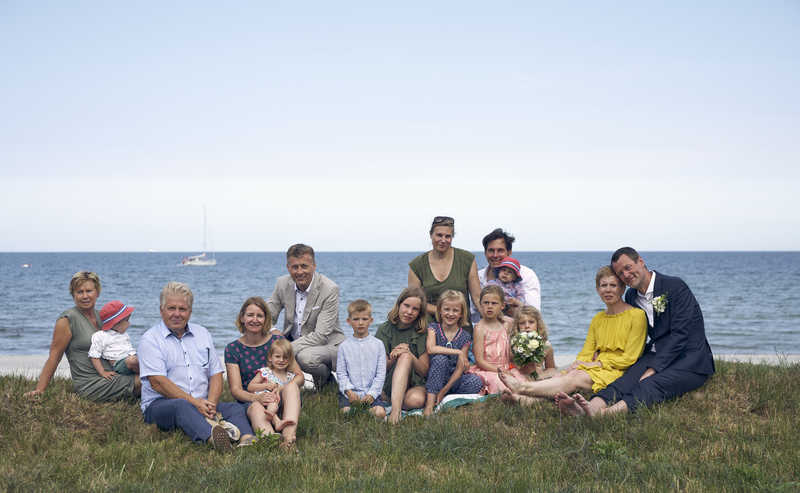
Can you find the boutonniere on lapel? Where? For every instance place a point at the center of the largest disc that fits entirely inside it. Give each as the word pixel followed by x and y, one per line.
pixel 659 304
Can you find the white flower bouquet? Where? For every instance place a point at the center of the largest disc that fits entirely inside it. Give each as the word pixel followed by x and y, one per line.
pixel 527 348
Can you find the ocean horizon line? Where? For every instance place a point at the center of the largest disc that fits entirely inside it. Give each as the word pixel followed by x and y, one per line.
pixel 402 251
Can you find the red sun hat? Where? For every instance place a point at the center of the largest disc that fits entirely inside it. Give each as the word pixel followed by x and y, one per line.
pixel 113 312
pixel 512 264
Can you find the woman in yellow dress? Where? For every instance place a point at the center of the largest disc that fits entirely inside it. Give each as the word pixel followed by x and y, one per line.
pixel 614 343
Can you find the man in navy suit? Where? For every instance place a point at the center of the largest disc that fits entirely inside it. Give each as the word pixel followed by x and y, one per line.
pixel 676 360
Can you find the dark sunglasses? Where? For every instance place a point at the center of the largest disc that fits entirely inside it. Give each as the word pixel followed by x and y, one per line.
pixel 446 220
pixel 450 357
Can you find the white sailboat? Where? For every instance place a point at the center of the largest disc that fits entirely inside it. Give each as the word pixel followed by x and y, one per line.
pixel 202 259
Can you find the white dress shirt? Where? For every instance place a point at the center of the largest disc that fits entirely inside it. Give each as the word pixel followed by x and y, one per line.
pixel 300 298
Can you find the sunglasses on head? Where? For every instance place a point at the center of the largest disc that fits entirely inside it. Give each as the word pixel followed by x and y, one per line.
pixel 446 220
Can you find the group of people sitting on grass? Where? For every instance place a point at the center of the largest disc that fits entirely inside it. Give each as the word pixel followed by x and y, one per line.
pixel 433 343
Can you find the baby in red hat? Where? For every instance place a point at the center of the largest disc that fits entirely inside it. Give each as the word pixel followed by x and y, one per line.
pixel 510 280
pixel 112 344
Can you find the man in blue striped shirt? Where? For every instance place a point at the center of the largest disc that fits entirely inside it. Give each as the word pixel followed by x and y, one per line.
pixel 182 375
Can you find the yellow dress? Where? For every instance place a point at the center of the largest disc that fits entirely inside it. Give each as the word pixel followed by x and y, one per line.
pixel 619 339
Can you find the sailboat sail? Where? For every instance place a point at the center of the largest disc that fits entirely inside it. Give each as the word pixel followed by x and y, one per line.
pixel 201 258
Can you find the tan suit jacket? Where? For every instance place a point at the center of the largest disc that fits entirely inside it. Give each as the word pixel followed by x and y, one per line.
pixel 320 326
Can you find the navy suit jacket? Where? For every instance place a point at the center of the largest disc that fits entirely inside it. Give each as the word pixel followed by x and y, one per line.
pixel 678 333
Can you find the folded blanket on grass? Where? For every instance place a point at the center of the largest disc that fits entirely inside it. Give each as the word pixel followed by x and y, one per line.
pixel 449 402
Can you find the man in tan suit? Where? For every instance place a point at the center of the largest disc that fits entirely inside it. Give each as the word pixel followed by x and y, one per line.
pixel 311 321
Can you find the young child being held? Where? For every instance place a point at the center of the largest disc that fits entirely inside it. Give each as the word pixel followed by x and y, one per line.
pixel 112 343
pixel 510 280
pixel 273 378
pixel 492 348
pixel 528 319
pixel 448 345
pixel 361 363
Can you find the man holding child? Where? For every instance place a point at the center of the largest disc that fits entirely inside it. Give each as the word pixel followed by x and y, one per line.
pixel 678 357
pixel 497 247
pixel 311 321
pixel 182 375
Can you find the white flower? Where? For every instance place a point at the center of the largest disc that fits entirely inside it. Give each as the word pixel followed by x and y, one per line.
pixel 659 304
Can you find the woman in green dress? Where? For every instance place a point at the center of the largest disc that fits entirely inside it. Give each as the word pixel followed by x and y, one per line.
pixel 73 336
pixel 445 267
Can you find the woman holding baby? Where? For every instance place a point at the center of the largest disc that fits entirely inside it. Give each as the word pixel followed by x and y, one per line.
pixel 73 336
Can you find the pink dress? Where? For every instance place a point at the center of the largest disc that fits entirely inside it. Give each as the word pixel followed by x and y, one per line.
pixel 495 352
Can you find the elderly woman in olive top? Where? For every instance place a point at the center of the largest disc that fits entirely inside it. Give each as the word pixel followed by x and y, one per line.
pixel 73 336
pixel 245 356
pixel 444 267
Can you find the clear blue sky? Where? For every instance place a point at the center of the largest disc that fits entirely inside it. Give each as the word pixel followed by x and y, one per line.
pixel 349 125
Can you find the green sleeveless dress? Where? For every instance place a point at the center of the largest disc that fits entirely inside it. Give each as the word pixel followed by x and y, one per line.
pixel 87 381
pixel 457 280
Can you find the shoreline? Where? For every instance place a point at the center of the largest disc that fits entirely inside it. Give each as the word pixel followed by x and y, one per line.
pixel 31 366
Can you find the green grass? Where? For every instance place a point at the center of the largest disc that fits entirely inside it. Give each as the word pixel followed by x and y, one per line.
pixel 740 432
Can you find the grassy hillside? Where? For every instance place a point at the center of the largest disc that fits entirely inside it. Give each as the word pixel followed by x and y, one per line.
pixel 737 433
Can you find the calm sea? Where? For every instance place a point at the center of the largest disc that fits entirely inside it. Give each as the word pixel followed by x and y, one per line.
pixel 750 300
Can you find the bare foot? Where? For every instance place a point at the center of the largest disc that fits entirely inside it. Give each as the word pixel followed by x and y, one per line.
pixel 525 400
pixel 283 423
pixel 288 444
pixel 509 381
pixel 269 414
pixel 394 417
pixel 568 405
pixel 509 397
pixel 590 409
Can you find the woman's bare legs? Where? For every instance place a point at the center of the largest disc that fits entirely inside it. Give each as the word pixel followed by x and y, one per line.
pixel 570 382
pixel 400 382
pixel 258 418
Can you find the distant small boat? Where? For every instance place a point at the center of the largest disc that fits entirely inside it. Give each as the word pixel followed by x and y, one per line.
pixel 201 258
pixel 151 251
pixel 26 265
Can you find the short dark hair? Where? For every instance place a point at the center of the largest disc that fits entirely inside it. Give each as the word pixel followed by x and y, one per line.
pixel 297 251
pixel 628 251
pixel 498 234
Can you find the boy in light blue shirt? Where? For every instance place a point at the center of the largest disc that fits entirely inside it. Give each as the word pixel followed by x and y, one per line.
pixel 361 363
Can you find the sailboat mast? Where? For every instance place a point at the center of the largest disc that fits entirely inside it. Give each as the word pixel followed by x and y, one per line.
pixel 205 225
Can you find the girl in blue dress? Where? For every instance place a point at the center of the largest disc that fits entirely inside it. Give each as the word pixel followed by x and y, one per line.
pixel 448 344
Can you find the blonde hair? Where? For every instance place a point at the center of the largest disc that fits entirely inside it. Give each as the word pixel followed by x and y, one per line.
pixel 451 295
pixel 258 301
pixel 497 291
pixel 176 288
pixel 605 271
pixel 359 306
pixel 532 312
pixel 288 352
pixel 80 278
pixel 419 324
